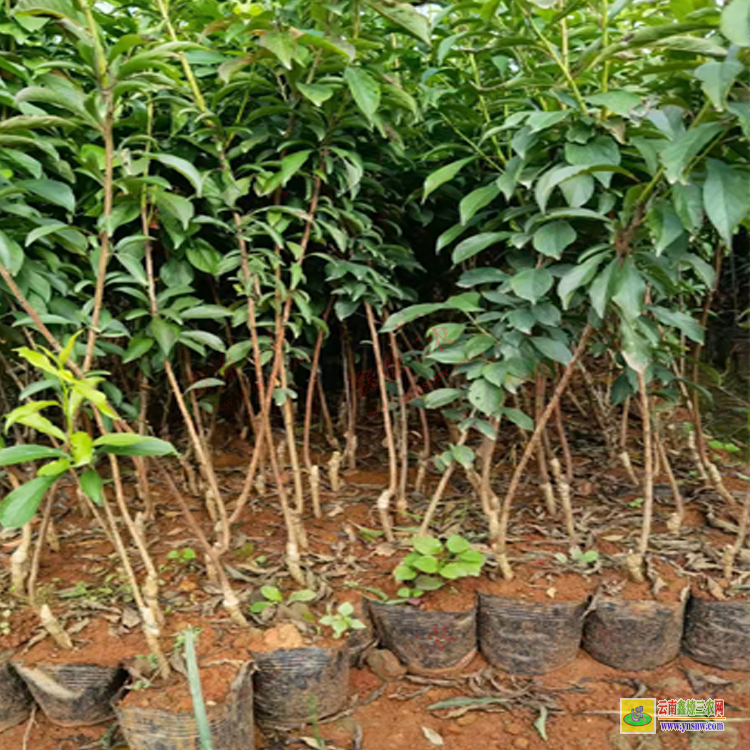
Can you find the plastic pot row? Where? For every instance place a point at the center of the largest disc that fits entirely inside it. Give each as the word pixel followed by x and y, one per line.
pixel 529 638
pixel 291 687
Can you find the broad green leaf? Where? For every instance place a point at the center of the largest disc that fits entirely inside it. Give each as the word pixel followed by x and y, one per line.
pixel 175 205
pixel 635 348
pixel 552 349
pixel 137 348
pixel 131 444
pixel 17 454
pixel 281 43
pixel 717 78
pixel 518 418
pixel 317 93
pixel 92 485
pixel 726 197
pixel 205 383
pixel 306 595
pixel 532 283
pixel 553 237
pixel 469 247
pixel 735 22
pixel 427 545
pixel 457 544
pixel 271 593
pixel 443 175
pixel 364 89
pixel 678 155
pixel 404 573
pixel 166 334
pixel 410 313
pixel 441 397
pixel 403 15
pixel 578 276
pixel 620 102
pixel 477 200
pixel 539 121
pixel 463 455
pixel 680 320
pixel 11 254
pixel 205 312
pixel 291 164
pixel 427 564
pixel 19 506
pixel 485 397
pixel 52 191
pixel 184 167
pixel 602 287
pixel 550 180
pixel 82 448
pixel 454 570
pixel 630 293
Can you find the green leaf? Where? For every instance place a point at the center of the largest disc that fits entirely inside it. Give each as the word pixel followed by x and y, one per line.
pixel 205 383
pixel 130 444
pixel 631 291
pixel 532 283
pixel 717 78
pixel 166 334
pixel 404 573
pixel 52 191
pixel 685 147
pixel 428 583
pixel 552 349
pixel 177 206
pixel 92 485
pixel 11 254
pixel 457 544
pixel 578 276
pixel 410 313
pixel 485 397
pixel 618 101
pixel 469 247
pixel 205 312
pixel 518 418
pixel 463 455
pixel 281 44
pixel 443 175
pixel 82 448
pixel 305 595
pixel 476 200
pixel 19 506
pixel 553 237
pixel 365 90
pixel 17 454
pixel 726 197
pixel 602 287
pixel 427 564
pixel 427 545
pixel 271 593
pixel 454 570
pixel 403 15
pixel 680 320
pixel 550 180
pixel 735 22
pixel 539 121
pixel 184 167
pixel 137 347
pixel 440 397
pixel 317 93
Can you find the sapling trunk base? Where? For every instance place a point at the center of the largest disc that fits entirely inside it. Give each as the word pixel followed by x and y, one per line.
pixel 52 625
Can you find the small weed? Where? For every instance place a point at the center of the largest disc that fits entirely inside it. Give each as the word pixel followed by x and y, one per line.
pixel 342 620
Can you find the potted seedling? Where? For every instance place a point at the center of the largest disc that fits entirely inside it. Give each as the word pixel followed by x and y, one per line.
pixel 422 632
pixel 302 670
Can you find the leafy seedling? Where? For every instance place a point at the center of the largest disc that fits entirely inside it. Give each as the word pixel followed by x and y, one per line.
pixel 272 597
pixel 578 558
pixel 342 621
pixel 432 563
